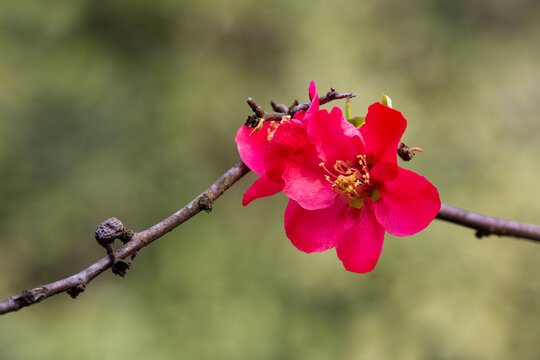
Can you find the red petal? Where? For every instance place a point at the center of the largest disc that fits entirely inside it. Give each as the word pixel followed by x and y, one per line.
pixel 382 133
pixel 262 187
pixel 251 147
pixel 305 181
pixel 360 247
pixel 314 96
pixel 299 115
pixel 384 171
pixel 316 230
pixel 335 137
pixel 288 136
pixel 407 204
pixel 313 91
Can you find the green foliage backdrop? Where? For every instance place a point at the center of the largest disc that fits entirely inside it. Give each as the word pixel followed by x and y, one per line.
pixel 129 109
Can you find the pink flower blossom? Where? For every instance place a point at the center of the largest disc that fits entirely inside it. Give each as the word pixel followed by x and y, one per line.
pixel 266 149
pixel 251 147
pixel 345 186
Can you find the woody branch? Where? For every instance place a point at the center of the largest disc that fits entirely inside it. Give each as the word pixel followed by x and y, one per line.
pixel 113 229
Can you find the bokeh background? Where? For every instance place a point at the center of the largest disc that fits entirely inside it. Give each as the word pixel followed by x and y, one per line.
pixel 129 108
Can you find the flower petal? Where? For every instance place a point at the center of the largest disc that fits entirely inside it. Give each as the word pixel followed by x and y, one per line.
pixel 407 204
pixel 305 181
pixel 262 187
pixel 314 97
pixel 382 133
pixel 316 230
pixel 313 91
pixel 360 247
pixel 289 136
pixel 384 171
pixel 335 137
pixel 299 115
pixel 251 146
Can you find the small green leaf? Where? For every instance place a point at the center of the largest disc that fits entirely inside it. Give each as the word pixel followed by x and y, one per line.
pixel 357 121
pixel 386 100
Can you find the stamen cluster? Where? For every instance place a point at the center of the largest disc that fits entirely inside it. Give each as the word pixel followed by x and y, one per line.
pixel 350 179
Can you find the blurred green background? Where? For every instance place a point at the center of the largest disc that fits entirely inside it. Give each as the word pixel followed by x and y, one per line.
pixel 129 109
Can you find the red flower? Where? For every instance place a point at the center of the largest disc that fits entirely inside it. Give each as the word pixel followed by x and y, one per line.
pixel 251 147
pixel 266 149
pixel 345 186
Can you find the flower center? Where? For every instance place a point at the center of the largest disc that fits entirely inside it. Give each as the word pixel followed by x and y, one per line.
pixel 350 179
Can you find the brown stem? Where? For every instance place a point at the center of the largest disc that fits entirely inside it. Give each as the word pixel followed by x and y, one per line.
pixel 282 110
pixel 486 225
pixel 330 96
pixel 75 284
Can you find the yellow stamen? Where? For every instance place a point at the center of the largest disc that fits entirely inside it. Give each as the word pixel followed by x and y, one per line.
pixel 272 130
pixel 258 127
pixel 349 180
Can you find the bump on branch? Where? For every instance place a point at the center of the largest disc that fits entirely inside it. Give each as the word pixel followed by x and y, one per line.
pixel 76 290
pixel 406 153
pixel 105 234
pixel 205 203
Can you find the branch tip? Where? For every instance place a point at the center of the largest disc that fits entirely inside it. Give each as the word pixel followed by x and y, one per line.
pixel 256 108
pixel 277 107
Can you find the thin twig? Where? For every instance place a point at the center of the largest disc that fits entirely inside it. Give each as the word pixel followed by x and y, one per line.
pixel 487 225
pixel 282 110
pixel 75 284
pixel 330 96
